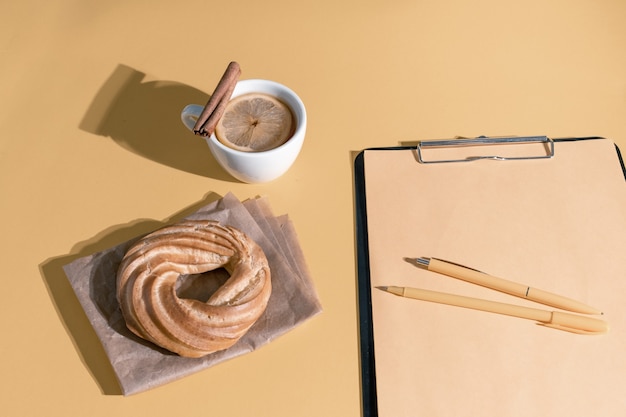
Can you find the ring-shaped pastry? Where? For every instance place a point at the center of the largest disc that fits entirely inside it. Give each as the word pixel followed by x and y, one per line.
pixel 152 309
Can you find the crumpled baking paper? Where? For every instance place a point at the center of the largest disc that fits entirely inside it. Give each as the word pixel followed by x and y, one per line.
pixel 140 365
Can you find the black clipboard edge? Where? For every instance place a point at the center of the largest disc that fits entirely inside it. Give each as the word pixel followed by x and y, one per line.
pixel 369 399
pixel 364 296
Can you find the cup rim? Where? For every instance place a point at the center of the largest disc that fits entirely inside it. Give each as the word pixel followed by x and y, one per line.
pixel 300 115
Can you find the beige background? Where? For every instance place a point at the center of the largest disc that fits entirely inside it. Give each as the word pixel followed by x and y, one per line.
pixel 92 153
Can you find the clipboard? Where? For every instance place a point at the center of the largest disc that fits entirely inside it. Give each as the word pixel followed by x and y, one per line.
pixel 479 185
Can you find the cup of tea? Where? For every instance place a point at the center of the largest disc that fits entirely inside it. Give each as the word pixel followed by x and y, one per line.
pixel 270 158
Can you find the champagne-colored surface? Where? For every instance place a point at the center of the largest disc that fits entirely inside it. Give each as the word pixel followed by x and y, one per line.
pixel 92 153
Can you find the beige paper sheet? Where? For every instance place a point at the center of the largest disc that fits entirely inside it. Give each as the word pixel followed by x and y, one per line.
pixel 558 225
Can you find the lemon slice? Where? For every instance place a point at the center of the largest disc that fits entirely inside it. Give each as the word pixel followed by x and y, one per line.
pixel 255 122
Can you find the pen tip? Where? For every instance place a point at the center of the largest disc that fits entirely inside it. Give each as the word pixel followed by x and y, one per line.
pixel 412 261
pixel 419 262
pixel 382 288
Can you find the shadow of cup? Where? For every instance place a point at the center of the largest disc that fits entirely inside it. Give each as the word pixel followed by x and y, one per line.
pixel 144 118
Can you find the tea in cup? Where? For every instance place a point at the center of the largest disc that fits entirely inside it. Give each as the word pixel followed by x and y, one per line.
pixel 261 132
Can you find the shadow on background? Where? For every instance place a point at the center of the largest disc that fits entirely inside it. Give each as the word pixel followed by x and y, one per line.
pixel 144 117
pixel 69 309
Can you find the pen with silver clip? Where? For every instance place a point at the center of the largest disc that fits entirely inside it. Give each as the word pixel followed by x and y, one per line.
pixel 573 323
pixel 509 287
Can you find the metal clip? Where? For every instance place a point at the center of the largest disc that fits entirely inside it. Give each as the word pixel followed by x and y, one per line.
pixel 481 141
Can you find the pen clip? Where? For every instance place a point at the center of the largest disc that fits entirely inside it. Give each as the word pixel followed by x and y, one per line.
pixel 424 262
pixel 575 323
pixel 572 329
pixel 458 264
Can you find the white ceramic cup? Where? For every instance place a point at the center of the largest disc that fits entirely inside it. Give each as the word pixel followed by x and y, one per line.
pixel 264 166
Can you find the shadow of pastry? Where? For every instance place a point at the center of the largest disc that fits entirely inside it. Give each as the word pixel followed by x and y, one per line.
pixel 144 118
pixel 72 313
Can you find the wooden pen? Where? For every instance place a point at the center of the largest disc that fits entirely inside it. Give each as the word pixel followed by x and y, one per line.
pixel 509 287
pixel 573 323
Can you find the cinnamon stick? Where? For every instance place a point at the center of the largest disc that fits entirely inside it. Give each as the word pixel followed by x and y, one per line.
pixel 214 108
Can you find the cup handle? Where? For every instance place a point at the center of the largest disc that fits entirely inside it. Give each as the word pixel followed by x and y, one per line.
pixel 190 115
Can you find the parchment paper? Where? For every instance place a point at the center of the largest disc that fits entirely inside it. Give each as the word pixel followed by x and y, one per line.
pixel 140 365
